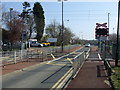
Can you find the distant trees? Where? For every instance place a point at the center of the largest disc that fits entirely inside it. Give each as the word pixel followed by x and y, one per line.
pixel 112 37
pixel 28 19
pixel 39 20
pixel 33 20
pixel 14 26
pixel 53 30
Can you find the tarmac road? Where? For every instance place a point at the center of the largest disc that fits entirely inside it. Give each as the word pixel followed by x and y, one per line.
pixel 44 75
pixel 41 76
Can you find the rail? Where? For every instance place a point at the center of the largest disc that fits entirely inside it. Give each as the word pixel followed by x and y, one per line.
pixel 77 63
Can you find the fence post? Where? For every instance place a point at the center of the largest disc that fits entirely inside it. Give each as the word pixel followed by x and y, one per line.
pixel 46 54
pixel 21 54
pixel 42 55
pixel 15 57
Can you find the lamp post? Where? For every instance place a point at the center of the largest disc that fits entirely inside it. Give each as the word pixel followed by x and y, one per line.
pixel 62 45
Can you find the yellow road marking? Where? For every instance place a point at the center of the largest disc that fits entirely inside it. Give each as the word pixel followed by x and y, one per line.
pixel 53 56
pixel 57 83
pixel 56 64
pixel 70 60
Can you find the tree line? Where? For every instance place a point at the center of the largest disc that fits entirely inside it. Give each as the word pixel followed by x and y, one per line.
pixel 20 26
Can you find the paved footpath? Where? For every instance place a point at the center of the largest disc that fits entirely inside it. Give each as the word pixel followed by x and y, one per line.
pixel 91 75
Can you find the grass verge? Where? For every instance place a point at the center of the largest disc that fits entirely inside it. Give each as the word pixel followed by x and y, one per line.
pixel 116 77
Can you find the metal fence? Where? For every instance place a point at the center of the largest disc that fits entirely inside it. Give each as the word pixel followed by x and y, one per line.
pixel 43 54
pixel 10 57
pixel 77 62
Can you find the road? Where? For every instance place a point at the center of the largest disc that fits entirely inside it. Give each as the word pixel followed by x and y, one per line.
pixel 44 75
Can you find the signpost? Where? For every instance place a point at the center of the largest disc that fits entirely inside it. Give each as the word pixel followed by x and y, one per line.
pixel 101 33
pixel 101 30
pixel 52 40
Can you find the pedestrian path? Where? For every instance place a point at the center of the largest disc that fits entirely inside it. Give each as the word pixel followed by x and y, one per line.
pixel 92 74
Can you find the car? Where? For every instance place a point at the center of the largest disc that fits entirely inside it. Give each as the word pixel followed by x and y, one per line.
pixel 36 44
pixel 87 45
pixel 45 43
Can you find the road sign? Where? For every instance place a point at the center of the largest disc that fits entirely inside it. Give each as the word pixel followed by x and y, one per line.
pixel 52 40
pixel 98 25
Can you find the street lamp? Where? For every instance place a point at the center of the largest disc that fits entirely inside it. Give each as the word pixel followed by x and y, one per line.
pixel 62 26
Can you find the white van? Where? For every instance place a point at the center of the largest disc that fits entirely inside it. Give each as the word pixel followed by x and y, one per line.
pixel 34 43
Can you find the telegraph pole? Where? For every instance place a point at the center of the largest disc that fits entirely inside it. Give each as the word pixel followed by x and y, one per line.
pixel 10 25
pixel 108 19
pixel 117 44
pixel 62 28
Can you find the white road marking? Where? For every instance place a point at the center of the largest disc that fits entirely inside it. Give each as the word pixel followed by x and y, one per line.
pixel 99 56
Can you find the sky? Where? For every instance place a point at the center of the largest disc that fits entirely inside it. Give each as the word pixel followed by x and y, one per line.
pixel 82 16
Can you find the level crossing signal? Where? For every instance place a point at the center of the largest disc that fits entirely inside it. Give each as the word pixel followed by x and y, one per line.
pixel 101 30
pixel 98 25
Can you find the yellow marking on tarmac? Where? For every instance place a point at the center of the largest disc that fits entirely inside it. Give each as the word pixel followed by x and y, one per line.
pixel 56 64
pixel 70 60
pixel 64 81
pixel 53 56
pixel 60 80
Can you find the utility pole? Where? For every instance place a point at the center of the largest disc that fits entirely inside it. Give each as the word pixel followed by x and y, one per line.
pixel 62 28
pixel 113 36
pixel 62 34
pixel 117 44
pixel 108 20
pixel 10 25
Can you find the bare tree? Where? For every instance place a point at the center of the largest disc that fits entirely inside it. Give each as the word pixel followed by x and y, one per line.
pixel 53 30
pixel 16 26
